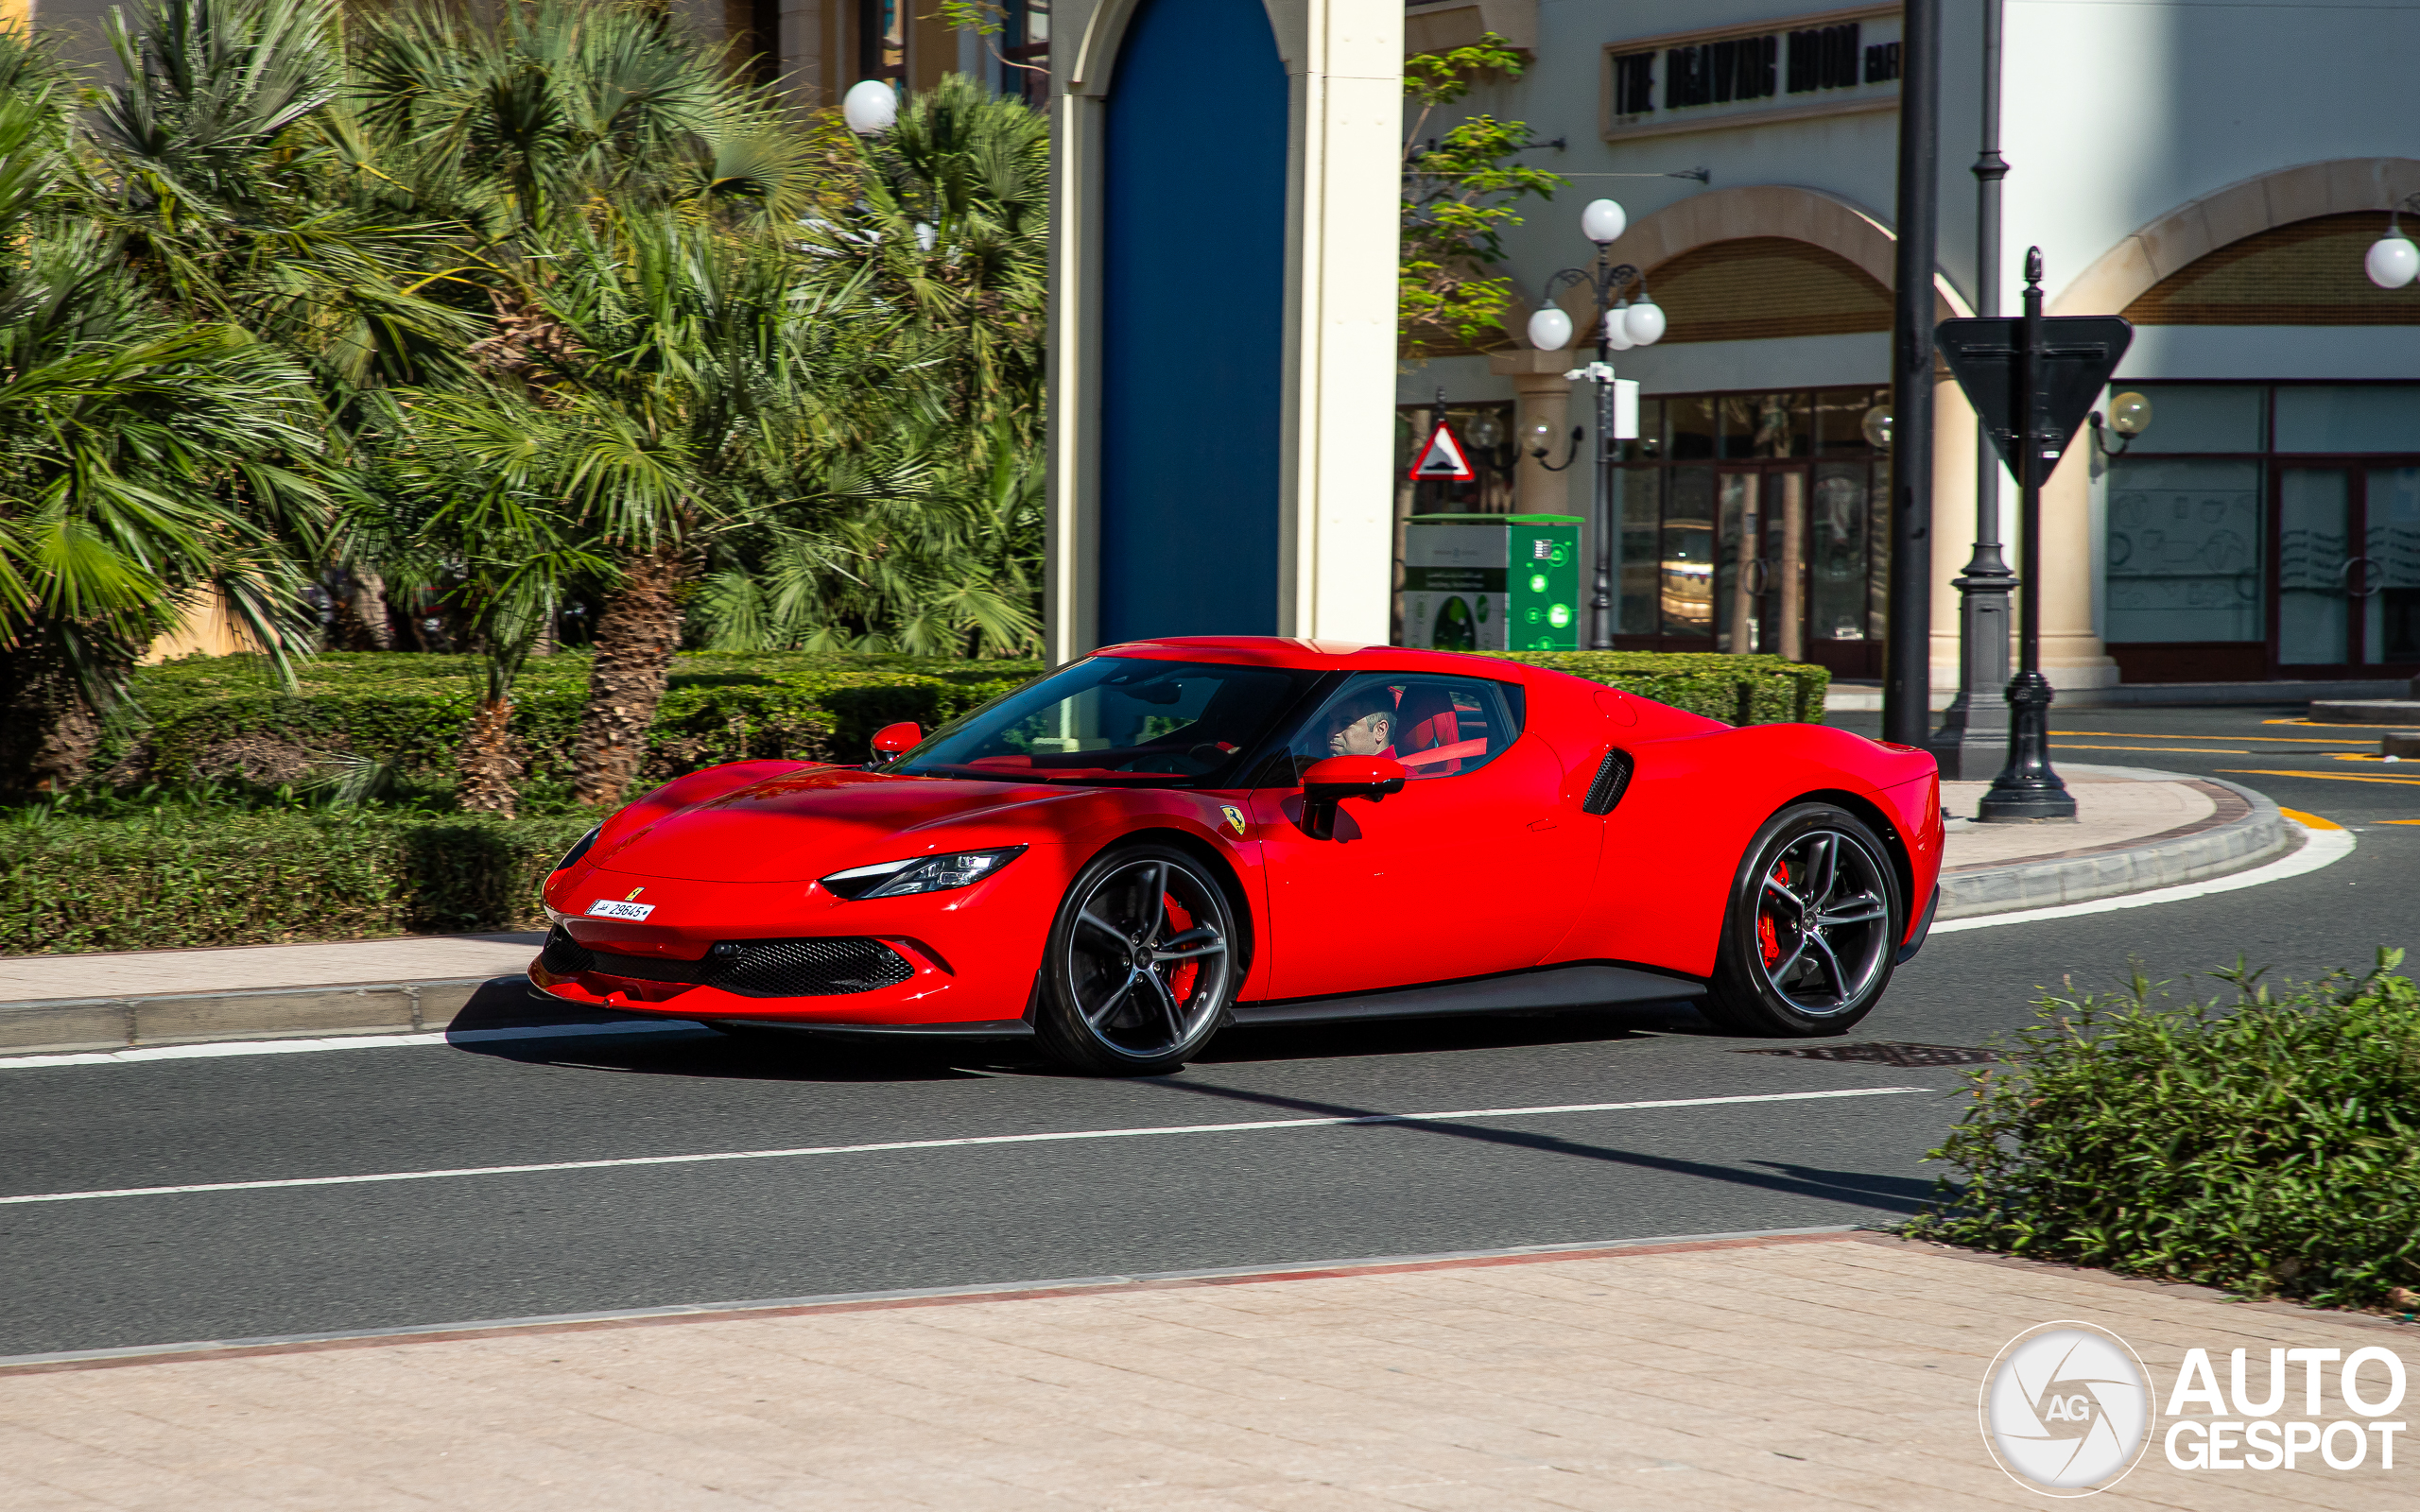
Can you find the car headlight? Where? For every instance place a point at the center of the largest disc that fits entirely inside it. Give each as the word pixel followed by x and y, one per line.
pixel 896 878
pixel 578 849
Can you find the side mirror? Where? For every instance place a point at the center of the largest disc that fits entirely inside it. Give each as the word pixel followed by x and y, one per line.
pixel 893 740
pixel 1332 781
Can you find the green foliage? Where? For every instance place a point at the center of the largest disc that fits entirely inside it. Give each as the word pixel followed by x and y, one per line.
pixel 214 718
pixel 1458 194
pixel 2270 1145
pixel 183 876
pixel 1742 690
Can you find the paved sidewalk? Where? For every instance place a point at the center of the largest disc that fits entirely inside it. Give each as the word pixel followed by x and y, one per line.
pixel 1816 1372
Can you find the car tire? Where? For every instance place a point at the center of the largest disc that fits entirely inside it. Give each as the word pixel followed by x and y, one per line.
pixel 1141 966
pixel 1812 930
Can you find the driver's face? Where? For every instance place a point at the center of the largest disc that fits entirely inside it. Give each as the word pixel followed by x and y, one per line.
pixel 1365 737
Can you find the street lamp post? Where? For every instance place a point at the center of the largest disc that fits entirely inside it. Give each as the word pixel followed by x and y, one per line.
pixel 1620 323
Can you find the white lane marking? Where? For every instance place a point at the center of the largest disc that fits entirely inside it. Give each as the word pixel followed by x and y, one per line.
pixel 2320 848
pixel 964 1141
pixel 141 1054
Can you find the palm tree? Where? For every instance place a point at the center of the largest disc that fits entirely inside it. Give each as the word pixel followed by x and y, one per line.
pixel 143 458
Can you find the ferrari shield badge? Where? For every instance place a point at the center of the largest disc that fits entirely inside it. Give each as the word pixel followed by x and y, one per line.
pixel 1234 815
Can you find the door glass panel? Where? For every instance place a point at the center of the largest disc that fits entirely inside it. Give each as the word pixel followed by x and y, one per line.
pixel 1735 590
pixel 2391 611
pixel 1836 553
pixel 2185 550
pixel 1436 726
pixel 1639 500
pixel 2313 516
pixel 1687 562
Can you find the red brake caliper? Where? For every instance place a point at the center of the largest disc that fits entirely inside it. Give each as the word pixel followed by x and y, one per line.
pixel 1181 980
pixel 1766 942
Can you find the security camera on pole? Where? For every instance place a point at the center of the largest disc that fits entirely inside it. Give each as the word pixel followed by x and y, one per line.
pixel 2032 380
pixel 1621 324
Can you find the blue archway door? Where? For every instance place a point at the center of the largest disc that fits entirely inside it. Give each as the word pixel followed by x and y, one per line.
pixel 1193 295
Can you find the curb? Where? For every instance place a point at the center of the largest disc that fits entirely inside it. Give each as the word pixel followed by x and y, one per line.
pixel 2236 844
pixel 70 1025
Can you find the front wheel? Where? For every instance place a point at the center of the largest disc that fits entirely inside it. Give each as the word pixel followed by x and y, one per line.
pixel 1140 970
pixel 1812 929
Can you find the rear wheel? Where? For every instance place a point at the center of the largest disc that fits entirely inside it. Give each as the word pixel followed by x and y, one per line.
pixel 1140 970
pixel 1812 930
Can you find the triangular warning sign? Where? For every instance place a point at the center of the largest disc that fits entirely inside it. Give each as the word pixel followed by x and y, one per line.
pixel 1442 459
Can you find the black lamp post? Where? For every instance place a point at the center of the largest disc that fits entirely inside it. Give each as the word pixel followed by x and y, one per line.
pixel 2027 789
pixel 1620 324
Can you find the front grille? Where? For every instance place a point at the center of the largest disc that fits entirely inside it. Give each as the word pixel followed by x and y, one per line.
pixel 748 968
pixel 1888 1053
pixel 807 968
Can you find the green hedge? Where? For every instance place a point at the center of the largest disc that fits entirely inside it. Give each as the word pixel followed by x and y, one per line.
pixel 2270 1145
pixel 221 716
pixel 184 877
pixel 1741 689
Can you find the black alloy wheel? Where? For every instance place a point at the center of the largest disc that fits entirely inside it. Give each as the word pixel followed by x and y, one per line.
pixel 1812 931
pixel 1139 972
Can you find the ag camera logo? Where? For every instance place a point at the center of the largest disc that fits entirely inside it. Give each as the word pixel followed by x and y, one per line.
pixel 2066 1409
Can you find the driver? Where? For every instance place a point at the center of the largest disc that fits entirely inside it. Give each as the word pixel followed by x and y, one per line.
pixel 1363 723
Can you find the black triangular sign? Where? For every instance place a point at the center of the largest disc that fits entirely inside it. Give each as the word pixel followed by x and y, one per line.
pixel 2078 353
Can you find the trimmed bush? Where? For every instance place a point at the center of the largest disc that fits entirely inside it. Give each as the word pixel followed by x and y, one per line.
pixel 188 877
pixel 2271 1145
pixel 1739 690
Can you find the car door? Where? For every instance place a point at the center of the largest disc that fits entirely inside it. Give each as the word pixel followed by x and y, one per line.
pixel 1477 867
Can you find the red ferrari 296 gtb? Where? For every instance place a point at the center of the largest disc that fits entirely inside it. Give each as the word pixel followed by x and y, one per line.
pixel 1127 854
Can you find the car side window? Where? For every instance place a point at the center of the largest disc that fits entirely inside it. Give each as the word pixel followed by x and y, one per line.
pixel 1436 726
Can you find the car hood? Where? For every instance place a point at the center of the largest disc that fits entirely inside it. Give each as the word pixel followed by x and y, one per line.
pixel 799 826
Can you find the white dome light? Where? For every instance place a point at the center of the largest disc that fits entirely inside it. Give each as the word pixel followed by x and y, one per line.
pixel 1618 328
pixel 1645 322
pixel 1551 328
pixel 870 107
pixel 1604 221
pixel 2392 260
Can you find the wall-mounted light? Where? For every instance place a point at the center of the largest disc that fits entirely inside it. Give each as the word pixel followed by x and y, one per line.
pixel 1876 427
pixel 2130 415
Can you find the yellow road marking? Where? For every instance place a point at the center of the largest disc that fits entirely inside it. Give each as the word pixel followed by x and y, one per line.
pixel 2164 734
pixel 2190 750
pixel 2323 777
pixel 2310 822
pixel 2383 821
pixel 2320 724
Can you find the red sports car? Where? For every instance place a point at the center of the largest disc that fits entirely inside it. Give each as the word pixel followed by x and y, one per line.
pixel 1125 854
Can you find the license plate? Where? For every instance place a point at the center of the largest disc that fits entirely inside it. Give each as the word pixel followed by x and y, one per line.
pixel 615 908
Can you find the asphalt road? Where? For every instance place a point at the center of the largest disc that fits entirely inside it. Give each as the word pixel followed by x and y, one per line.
pixel 243 1264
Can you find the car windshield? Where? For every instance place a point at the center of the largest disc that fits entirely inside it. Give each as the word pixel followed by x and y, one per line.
pixel 1118 721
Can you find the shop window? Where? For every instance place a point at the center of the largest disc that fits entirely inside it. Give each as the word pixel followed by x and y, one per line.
pixel 2392 573
pixel 1689 420
pixel 2346 418
pixel 1839 417
pixel 1640 502
pixel 1837 552
pixel 2185 549
pixel 1686 562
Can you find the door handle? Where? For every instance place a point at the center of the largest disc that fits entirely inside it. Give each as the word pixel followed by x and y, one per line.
pixel 2365 564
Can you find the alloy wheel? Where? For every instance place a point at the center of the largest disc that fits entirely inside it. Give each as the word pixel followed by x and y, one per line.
pixel 1823 922
pixel 1147 959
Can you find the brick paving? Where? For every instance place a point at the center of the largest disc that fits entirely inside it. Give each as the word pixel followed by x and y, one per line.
pixel 1816 1372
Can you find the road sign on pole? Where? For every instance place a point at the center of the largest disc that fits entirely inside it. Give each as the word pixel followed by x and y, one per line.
pixel 1442 460
pixel 2031 380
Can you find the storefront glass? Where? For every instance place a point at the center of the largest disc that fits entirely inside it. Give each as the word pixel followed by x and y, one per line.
pixel 2257 531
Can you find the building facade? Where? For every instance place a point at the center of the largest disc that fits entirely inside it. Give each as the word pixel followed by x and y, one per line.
pixel 2212 172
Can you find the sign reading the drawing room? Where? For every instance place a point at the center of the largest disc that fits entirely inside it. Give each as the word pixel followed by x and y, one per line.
pixel 1833 63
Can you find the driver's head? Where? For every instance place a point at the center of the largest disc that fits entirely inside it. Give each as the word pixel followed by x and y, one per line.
pixel 1362 724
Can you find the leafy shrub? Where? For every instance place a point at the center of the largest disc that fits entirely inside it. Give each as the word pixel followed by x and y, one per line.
pixel 1741 689
pixel 187 876
pixel 2271 1145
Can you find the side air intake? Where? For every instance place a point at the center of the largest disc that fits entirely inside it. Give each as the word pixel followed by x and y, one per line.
pixel 1613 776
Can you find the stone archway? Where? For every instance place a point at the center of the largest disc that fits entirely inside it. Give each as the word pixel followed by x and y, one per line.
pixel 2199 227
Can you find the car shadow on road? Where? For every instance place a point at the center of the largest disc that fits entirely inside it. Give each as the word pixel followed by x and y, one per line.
pixel 1865 1189
pixel 507 1021
pixel 1477 1031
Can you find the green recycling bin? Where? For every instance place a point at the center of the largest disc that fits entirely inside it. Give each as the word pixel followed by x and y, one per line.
pixel 1492 582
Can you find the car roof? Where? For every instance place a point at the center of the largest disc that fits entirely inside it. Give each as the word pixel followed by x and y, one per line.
pixel 1321 656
